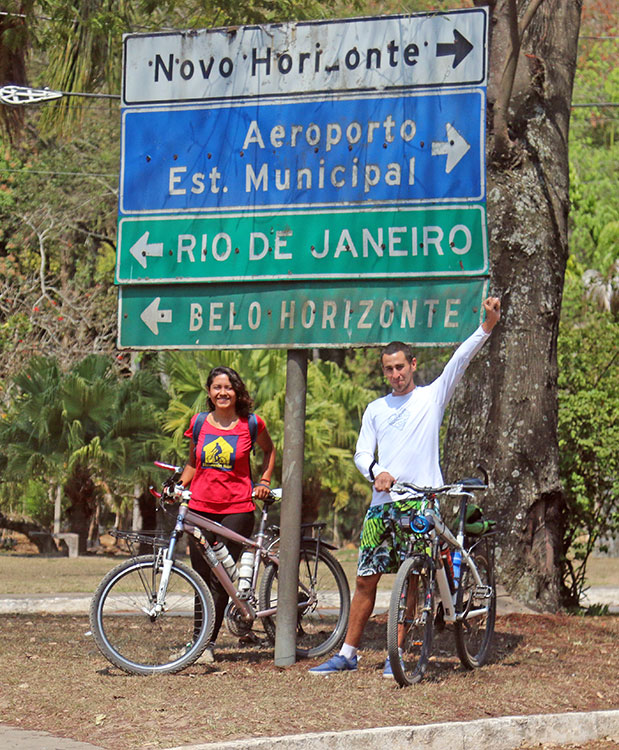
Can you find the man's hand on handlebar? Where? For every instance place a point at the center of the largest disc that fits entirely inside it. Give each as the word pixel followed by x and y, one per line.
pixel 384 481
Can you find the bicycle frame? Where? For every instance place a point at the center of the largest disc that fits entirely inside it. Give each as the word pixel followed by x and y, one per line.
pixel 195 524
pixel 438 531
pixel 448 596
pixel 173 606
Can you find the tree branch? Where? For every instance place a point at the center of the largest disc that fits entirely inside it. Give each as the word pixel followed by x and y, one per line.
pixel 527 16
pixel 517 29
pixel 502 141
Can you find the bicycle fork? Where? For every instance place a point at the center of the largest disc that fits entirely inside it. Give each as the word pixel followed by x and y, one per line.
pixel 166 566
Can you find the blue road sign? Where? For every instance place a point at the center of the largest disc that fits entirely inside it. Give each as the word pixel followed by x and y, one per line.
pixel 393 149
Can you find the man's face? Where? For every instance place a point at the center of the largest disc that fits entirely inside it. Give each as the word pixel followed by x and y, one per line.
pixel 399 372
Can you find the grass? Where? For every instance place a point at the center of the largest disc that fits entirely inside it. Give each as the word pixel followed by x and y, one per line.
pixel 39 574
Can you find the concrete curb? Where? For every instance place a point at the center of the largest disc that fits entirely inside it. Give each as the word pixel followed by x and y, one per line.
pixel 504 733
pixel 12 738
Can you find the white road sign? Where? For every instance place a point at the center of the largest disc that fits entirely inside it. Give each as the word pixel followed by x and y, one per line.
pixel 363 54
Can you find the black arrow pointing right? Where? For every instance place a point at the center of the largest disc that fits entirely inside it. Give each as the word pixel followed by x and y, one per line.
pixel 460 48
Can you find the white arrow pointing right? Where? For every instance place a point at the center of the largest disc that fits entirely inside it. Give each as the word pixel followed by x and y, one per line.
pixel 455 147
pixel 152 316
pixel 143 249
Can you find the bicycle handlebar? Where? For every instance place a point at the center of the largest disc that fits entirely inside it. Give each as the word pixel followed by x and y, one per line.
pixel 169 467
pixel 458 488
pixel 173 492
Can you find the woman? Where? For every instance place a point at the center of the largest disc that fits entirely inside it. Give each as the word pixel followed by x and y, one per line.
pixel 218 470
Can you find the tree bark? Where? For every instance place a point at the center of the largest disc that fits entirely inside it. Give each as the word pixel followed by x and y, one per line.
pixel 80 490
pixel 504 414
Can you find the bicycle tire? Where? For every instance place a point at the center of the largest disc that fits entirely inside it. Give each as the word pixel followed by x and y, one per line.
pixel 139 643
pixel 321 625
pixel 474 636
pixel 410 665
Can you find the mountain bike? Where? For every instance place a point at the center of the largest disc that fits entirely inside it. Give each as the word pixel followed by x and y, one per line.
pixel 155 614
pixel 442 579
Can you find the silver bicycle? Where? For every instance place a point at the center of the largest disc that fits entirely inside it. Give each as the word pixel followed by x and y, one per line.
pixel 443 578
pixel 155 614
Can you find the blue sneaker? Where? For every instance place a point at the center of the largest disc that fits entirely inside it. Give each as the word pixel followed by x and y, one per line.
pixel 337 663
pixel 387 671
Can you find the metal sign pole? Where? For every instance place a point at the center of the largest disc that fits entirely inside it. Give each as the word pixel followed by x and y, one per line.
pixel 292 486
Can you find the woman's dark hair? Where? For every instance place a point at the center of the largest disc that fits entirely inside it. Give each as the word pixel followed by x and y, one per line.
pixel 244 403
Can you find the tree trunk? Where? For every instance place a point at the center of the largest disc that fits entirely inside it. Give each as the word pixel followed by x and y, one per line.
pixel 505 412
pixel 81 491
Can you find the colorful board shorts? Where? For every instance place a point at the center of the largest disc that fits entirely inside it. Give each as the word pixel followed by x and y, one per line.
pixel 376 549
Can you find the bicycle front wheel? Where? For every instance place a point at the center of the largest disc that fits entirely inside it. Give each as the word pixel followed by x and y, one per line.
pixel 137 639
pixel 476 611
pixel 410 621
pixel 324 602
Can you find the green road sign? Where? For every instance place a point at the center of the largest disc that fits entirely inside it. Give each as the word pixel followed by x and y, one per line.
pixel 291 315
pixel 402 243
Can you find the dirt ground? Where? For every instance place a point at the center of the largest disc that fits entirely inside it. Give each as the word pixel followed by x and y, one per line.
pixel 53 678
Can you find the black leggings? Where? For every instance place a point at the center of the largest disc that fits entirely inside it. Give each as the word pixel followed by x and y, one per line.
pixel 242 523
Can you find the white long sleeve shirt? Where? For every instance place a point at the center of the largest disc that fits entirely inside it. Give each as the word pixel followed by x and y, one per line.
pixel 405 429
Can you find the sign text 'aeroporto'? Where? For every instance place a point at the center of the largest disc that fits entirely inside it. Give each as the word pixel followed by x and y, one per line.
pixel 401 150
pixel 292 316
pixel 442 49
pixel 427 241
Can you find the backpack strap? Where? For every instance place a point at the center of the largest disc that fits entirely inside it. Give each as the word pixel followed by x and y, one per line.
pixel 252 423
pixel 197 426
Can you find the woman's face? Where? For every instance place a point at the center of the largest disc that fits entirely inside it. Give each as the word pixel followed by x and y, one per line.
pixel 222 393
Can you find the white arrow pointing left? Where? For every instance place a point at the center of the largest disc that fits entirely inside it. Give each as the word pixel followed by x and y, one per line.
pixel 143 249
pixel 152 316
pixel 455 147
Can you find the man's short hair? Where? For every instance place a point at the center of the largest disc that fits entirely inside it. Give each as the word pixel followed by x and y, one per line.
pixel 398 346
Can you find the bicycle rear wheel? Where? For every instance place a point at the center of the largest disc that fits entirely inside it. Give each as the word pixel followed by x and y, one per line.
pixel 477 607
pixel 324 602
pixel 410 622
pixel 135 639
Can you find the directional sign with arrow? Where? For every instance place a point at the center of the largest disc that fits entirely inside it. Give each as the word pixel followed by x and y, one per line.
pixel 419 242
pixel 293 315
pixel 364 150
pixel 459 48
pixel 142 249
pixel 152 316
pixel 360 54
pixel 304 184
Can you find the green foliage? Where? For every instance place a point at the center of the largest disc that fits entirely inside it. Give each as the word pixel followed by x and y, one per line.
pixel 588 336
pixel 36 502
pixel 88 423
pixel 588 433
pixel 57 244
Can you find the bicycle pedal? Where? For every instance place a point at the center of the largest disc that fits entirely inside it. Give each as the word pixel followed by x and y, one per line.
pixel 483 592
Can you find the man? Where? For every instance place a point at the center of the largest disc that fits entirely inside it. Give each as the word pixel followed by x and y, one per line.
pixel 404 426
